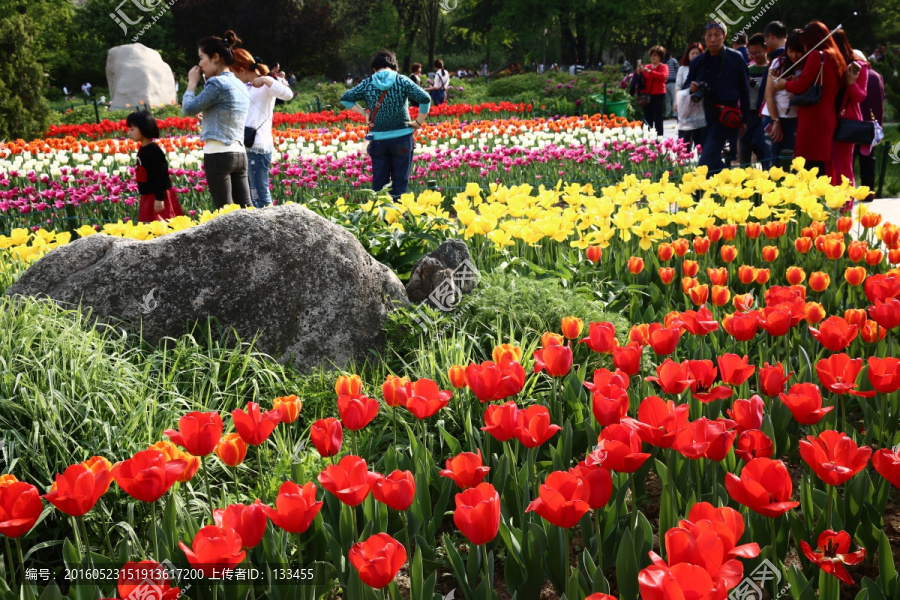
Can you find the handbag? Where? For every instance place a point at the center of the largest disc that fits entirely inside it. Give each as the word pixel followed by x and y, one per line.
pixel 642 99
pixel 851 131
pixel 250 135
pixel 729 116
pixel 814 93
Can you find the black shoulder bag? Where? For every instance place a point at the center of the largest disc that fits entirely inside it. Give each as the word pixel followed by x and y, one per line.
pixel 814 93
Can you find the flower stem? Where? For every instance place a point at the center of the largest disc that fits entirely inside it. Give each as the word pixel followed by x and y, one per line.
pixel 156 555
pixel 633 499
pixel 12 565
pixel 87 545
pixel 775 558
pixel 599 539
pixel 209 497
pixel 409 548
pixel 829 506
pixel 489 594
pixel 259 468
pixel 21 558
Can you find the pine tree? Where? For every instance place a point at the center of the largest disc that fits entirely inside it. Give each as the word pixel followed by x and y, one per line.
pixel 24 112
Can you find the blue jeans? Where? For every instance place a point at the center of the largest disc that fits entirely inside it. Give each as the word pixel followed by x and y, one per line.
pixel 258 164
pixel 778 149
pixel 438 96
pixel 392 161
pixel 716 136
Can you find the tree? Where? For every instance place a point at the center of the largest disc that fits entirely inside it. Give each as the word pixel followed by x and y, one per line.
pixel 24 113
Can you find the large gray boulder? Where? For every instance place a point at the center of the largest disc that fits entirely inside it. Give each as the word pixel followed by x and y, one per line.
pixel 304 284
pixel 137 74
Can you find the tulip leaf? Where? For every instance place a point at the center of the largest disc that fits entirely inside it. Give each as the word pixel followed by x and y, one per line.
pixel 557 556
pixel 875 591
pixel 886 570
pixel 862 595
pixel 855 492
pixel 627 569
pixel 51 592
pixel 458 567
pixel 473 563
pixel 806 501
pixel 801 589
pixel 452 442
pixel 416 581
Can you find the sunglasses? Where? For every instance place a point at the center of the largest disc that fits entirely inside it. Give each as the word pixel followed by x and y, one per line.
pixel 714 25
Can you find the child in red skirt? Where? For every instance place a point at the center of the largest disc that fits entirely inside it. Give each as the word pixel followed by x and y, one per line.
pixel 159 202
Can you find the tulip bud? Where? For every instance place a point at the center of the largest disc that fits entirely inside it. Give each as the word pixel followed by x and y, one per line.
pixel 457 375
pixel 714 233
pixel 728 253
pixel 762 276
pixel 690 268
pixel 856 251
pixel 572 327
pixel 844 224
pixel 666 275
pixel 231 449
pixel 718 276
pixel 874 257
pixel 814 313
pixel 795 275
pixel 855 275
pixel 752 230
pixel 681 247
pixel 890 235
pixel 770 253
pixel 594 253
pixel 635 265
pixel 699 294
pixel 665 252
pixel 856 316
pixel 819 281
pixel 720 295
pixel 774 229
pixel 729 231
pixel 747 274
pixel 834 249
pixel 701 245
pixel 803 244
pixel 894 256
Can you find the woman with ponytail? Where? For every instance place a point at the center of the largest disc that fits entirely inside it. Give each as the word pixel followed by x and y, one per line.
pixel 224 103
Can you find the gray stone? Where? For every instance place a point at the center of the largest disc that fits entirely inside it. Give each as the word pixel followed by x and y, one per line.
pixel 304 284
pixel 451 260
pixel 137 74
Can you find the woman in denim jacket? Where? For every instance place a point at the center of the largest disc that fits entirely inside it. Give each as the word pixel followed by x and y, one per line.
pixel 224 103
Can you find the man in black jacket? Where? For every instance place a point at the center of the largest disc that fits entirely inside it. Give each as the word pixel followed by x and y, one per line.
pixel 724 73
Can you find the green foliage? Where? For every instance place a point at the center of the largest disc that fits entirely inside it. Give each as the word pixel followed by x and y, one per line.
pixel 24 111
pixel 84 113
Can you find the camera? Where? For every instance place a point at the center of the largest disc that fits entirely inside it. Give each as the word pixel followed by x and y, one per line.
pixel 702 88
pixel 753 83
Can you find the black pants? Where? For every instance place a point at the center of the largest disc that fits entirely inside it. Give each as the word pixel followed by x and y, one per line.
pixel 694 137
pixel 226 176
pixel 653 112
pixel 866 168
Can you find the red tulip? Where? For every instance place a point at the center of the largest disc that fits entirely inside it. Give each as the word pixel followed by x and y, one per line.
pixel 77 490
pixel 673 377
pixel 501 421
pixel 764 487
pixel 289 407
pixel 747 414
pixel 776 320
pixel 703 374
pixel 599 480
pixel 533 427
pixel 835 333
pixel 295 506
pixel 699 322
pixel 884 374
pixel 396 490
pixel 681 582
pixel 495 381
pixel 378 560
pixel 805 402
pixel 20 508
pixel 327 435
pixel 886 314
pixel 357 411
pixel 772 379
pixel 753 443
pixel 214 550
pixel 609 404
pixel 466 469
pixel 664 340
pixel 427 398
pixel 856 316
pixel 231 450
pixel 198 432
pixel 147 475
pixel 665 252
pixel 886 462
pixel 834 553
pixel 635 265
pixel 600 596
pixel 249 521
pixel 601 337
pixel 618 449
pixel 594 253
pixel 742 326
pixel 882 287
pixel 666 275
pixel 395 390
pixel 659 421
pixel 173 452
pixel 838 374
pixel 254 426
pixel 834 457
pixel 628 358
pixel 349 480
pixel 144 575
pixel 563 499
pixel 704 439
pixel 699 294
pixel 701 245
pixel 556 360
pixel 477 514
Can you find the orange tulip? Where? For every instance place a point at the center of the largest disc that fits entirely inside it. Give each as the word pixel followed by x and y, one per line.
pixel 728 253
pixel 752 230
pixel 701 245
pixel 635 265
pixel 795 275
pixel 871 330
pixel 665 252
pixel 348 385
pixel 874 257
pixel 833 248
pixel 729 232
pixel 844 224
pixel 720 295
pixel 762 276
pixel 667 275
pixel 231 449
pixel 747 274
pixel 718 276
pixel 894 256
pixel 640 334
pixel 856 251
pixel 457 375
pixel 714 233
pixel 548 339
pixel 819 281
pixel 594 253
pixel 890 235
pixel 743 302
pixel 814 313
pixel 395 391
pixel 856 316
pixel 699 294
pixel 803 244
pixel 289 407
pixel 870 220
pixel 507 351
pixel 572 327
pixel 855 275
pixel 690 268
pixel 681 247
pixel 687 283
pixel 173 452
pixel 774 229
pixel 770 253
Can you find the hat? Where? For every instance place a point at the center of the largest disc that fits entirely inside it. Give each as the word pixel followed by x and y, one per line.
pixel 718 24
pixel 858 55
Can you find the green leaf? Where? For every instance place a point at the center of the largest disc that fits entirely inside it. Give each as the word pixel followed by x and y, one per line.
pixel 627 569
pixel 886 571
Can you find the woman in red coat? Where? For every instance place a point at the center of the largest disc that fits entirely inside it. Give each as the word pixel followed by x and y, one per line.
pixel 816 123
pixel 855 81
pixel 655 75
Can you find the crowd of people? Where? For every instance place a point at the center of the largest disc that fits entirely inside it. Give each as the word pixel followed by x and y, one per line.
pixel 775 95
